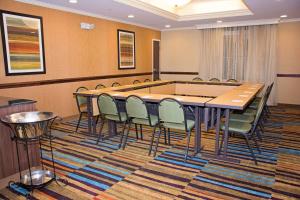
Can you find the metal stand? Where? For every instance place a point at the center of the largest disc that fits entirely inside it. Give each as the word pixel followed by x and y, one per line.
pixel 29 128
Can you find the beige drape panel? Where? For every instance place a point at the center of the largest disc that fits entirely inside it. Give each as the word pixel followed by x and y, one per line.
pixel 245 53
pixel 211 53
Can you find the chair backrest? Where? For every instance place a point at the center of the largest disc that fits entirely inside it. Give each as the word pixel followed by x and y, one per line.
pixel 100 86
pixel 136 81
pixel 115 84
pixel 80 100
pixel 136 108
pixel 260 108
pixel 269 90
pixel 197 79
pixel 214 80
pixel 171 111
pixel 147 80
pixel 231 81
pixel 107 105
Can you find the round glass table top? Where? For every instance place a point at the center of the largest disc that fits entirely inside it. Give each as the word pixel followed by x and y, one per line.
pixel 28 117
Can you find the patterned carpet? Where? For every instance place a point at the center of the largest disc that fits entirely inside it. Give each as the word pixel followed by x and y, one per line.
pixel 105 172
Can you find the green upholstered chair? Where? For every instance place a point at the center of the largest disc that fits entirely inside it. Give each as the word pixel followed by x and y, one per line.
pixel 252 109
pixel 172 115
pixel 109 110
pixel 241 118
pixel 249 114
pixel 214 80
pixel 231 80
pixel 247 130
pixel 115 84
pixel 100 86
pixel 137 113
pixel 81 105
pixel 136 82
pixel 197 79
pixel 147 80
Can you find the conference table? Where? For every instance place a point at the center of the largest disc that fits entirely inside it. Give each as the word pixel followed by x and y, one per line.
pixel 198 95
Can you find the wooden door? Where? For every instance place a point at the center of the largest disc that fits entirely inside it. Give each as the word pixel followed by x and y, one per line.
pixel 155 59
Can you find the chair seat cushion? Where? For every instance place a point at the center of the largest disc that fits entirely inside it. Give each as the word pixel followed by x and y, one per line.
pixel 242 118
pixel 237 127
pixel 250 111
pixel 253 106
pixel 116 117
pixel 190 125
pixel 153 119
pixel 257 99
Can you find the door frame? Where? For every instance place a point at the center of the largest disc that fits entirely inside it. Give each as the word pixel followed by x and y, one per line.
pixel 152 56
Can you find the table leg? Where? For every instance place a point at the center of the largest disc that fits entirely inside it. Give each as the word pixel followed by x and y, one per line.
pixel 112 128
pixel 197 146
pixel 227 115
pixel 212 121
pixel 217 131
pixel 91 120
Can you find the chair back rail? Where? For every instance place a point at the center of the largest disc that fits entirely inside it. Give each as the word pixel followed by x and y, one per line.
pixel 172 111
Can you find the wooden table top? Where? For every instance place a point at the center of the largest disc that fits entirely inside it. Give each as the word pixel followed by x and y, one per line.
pixel 122 87
pixel 185 100
pixel 237 98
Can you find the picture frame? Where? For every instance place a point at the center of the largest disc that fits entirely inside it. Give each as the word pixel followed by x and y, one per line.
pixel 23 43
pixel 126 49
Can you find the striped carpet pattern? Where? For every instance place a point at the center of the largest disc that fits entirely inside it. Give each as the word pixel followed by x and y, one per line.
pixel 106 172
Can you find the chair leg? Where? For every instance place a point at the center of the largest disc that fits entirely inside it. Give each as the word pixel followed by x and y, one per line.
pixel 165 134
pixel 169 136
pixel 157 141
pixel 258 134
pixel 97 119
pixel 126 136
pixel 100 131
pixel 78 122
pixel 221 145
pixel 136 131
pixel 122 136
pixel 141 131
pixel 188 146
pixel 268 110
pixel 250 148
pixel 257 145
pixel 152 139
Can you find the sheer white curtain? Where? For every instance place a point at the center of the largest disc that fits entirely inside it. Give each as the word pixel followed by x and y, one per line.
pixel 246 53
pixel 261 62
pixel 211 53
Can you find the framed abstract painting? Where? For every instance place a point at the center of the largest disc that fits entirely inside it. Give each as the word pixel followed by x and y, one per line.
pixel 126 49
pixel 23 45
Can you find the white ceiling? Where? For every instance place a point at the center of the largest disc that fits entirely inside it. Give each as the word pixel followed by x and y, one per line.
pixel 264 10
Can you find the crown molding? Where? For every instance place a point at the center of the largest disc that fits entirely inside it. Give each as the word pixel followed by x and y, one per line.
pixel 215 15
pixel 289 20
pixel 226 24
pixel 177 17
pixel 149 8
pixel 71 10
pixel 179 29
pixel 238 23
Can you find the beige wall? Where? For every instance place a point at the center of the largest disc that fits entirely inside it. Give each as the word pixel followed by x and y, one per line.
pixel 180 50
pixel 288 62
pixel 71 52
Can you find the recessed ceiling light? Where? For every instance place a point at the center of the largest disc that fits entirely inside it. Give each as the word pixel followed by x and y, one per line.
pixel 72 1
pixel 167 26
pixel 283 16
pixel 219 21
pixel 131 16
pixel 178 3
